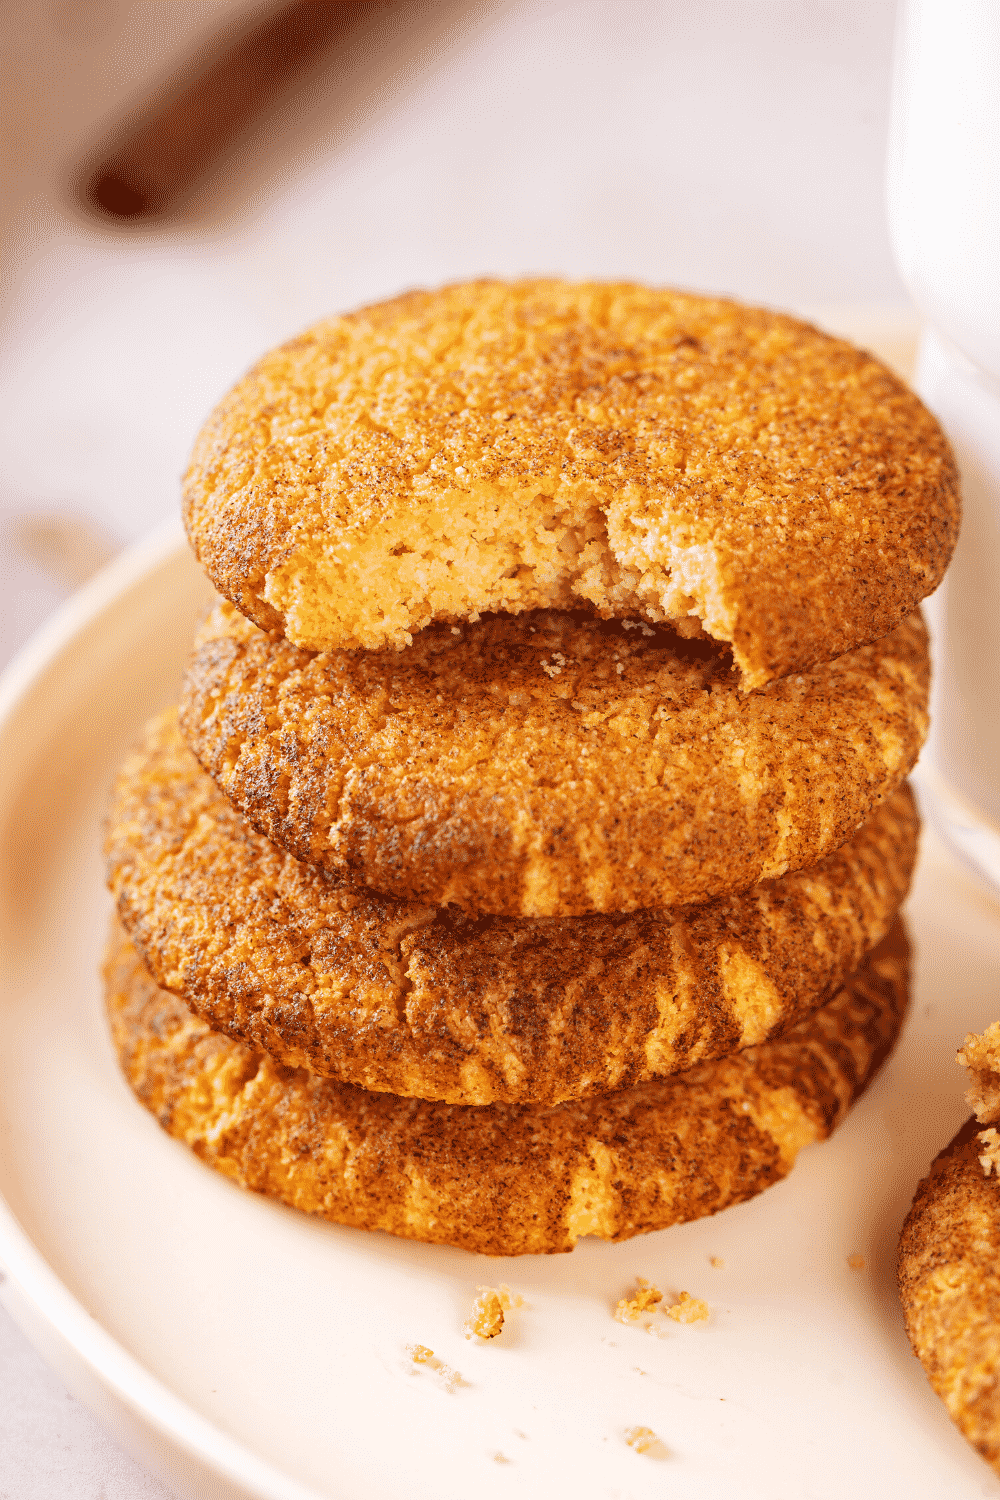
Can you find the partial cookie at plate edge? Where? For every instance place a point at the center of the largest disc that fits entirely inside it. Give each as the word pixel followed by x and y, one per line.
pixel 949 1285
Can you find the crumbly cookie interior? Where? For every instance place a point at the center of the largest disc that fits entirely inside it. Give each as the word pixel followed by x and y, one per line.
pixel 981 1055
pixel 495 550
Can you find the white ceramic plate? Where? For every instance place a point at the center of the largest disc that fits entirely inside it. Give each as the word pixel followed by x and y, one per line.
pixel 241 1349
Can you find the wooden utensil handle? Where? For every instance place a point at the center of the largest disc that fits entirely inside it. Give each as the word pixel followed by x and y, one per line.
pixel 172 137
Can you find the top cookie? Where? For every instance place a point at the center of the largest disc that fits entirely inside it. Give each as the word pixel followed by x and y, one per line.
pixel 495 446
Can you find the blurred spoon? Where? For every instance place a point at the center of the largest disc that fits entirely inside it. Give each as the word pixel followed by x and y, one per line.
pixel 170 139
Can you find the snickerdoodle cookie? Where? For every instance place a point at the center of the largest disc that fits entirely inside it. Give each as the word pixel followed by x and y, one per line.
pixel 419 1001
pixel 547 764
pixel 949 1260
pixel 504 1179
pixel 538 444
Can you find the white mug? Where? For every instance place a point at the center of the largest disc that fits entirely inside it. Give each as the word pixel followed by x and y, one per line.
pixel 944 213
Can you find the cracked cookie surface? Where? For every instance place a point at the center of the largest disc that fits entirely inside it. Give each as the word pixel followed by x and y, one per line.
pixel 538 444
pixel 503 1179
pixel 418 1001
pixel 546 764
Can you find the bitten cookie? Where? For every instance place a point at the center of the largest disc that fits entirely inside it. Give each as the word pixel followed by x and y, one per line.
pixel 419 1001
pixel 502 1179
pixel 550 765
pixel 949 1260
pixel 949 1283
pixel 537 444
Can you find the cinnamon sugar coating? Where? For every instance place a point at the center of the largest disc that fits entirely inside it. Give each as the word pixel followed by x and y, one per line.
pixel 502 1179
pixel 423 1002
pixel 539 444
pixel 949 1282
pixel 548 764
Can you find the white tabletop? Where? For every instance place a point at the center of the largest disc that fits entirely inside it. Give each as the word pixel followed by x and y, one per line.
pixel 714 144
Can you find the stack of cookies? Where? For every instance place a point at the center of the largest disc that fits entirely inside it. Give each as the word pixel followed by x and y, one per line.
pixel 524 858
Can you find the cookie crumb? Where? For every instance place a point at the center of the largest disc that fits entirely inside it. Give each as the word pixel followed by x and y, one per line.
pixel 501 1458
pixel 644 1440
pixel 989 1158
pixel 716 1261
pixel 631 1309
pixel 856 1262
pixel 980 1053
pixel 688 1309
pixel 648 1302
pixel 447 1378
pixel 486 1317
pixel 450 1379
